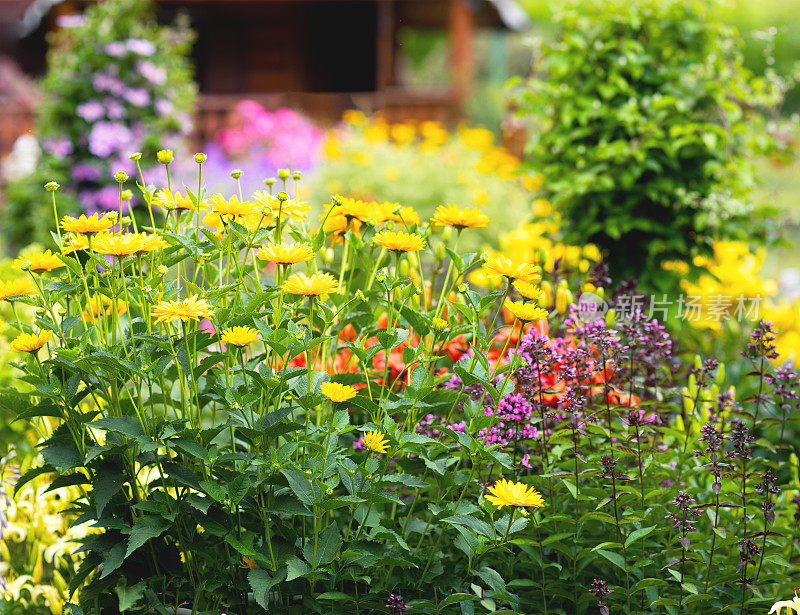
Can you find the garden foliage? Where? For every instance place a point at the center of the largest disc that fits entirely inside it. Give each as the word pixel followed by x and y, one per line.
pixel 115 83
pixel 261 411
pixel 646 123
pixel 423 164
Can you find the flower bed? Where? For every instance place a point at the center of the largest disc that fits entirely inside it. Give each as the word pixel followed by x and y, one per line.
pixel 259 411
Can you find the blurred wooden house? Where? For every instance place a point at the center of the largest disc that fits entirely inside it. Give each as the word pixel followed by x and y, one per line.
pixel 319 56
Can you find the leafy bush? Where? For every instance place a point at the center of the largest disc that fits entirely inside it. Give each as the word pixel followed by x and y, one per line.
pixel 116 83
pixel 647 122
pixel 249 437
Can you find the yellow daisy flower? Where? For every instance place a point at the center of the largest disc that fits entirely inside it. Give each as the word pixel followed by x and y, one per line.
pixel 506 493
pixel 92 224
pixel 192 308
pixel 317 284
pixel 293 209
pixel 528 290
pixel 337 392
pixel 28 342
pixel 239 336
pixel 375 442
pixel 17 288
pixel 38 261
pixel 526 311
pixel 102 305
pixel 74 243
pixel 399 242
pixel 453 215
pixel 174 200
pixel 233 206
pixel 504 266
pixel 118 245
pixel 286 254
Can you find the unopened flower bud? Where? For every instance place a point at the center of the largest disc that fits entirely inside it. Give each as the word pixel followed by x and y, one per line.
pixel 62 312
pixel 126 220
pixel 360 295
pixel 26 266
pixel 282 196
pixel 200 157
pixel 51 186
pixel 439 324
pixel 403 268
pixel 135 156
pixel 269 182
pixel 462 288
pixel 336 200
pixel 127 195
pixel 283 174
pixel 381 277
pixel 447 234
pixel 611 318
pixel 165 156
pixel 237 173
pixel 439 252
pixel 112 216
pixel 121 177
pixel 162 269
pixel 297 176
pixel 300 336
pixel 266 211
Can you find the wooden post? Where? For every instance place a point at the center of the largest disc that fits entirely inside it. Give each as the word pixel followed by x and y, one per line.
pixel 462 59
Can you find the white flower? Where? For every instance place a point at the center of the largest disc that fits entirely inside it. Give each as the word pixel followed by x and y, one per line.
pixel 792 605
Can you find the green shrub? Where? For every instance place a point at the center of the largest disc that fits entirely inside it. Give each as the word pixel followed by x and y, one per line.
pixel 647 122
pixel 115 84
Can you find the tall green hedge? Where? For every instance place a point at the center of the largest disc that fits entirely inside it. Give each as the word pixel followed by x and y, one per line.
pixel 646 125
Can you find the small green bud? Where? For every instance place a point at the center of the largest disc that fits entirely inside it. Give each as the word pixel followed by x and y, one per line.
pixel 300 336
pixel 127 195
pixel 439 324
pixel 269 182
pixel 51 186
pixel 135 156
pixel 121 177
pixel 62 312
pixel 447 234
pixel 360 295
pixel 126 220
pixel 462 288
pixel 165 156
pixel 282 196
pixel 162 269
pixel 237 173
pixel 336 200
pixel 381 277
pixel 439 252
pixel 266 211
pixel 611 316
pixel 404 267
pixel 284 174
pixel 26 266
pixel 297 176
pixel 112 216
pixel 200 157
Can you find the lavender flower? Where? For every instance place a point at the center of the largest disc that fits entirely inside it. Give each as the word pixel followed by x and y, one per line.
pixel 164 107
pixel 138 97
pixel 60 147
pixel 682 519
pixel 116 49
pixel 762 342
pixel 151 72
pixel 713 439
pixel 114 109
pixel 106 138
pixel 91 111
pixel 396 604
pixel 600 590
pixel 741 439
pixel 141 46
pixel 768 488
